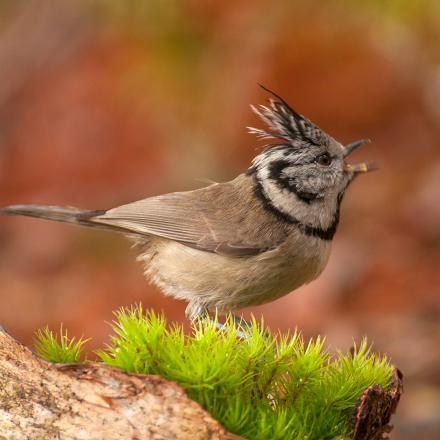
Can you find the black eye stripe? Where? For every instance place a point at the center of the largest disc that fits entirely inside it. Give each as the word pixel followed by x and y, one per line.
pixel 276 168
pixel 308 162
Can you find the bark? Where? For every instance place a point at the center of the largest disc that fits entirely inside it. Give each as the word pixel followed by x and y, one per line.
pixel 374 408
pixel 42 401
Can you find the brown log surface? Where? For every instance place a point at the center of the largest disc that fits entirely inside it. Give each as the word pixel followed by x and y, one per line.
pixel 374 408
pixel 43 401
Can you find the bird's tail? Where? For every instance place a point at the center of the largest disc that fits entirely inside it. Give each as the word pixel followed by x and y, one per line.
pixel 65 214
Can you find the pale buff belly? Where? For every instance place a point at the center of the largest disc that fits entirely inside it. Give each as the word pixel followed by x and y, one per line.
pixel 231 283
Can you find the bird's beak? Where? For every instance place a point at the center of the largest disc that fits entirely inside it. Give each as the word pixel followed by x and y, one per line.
pixel 360 167
pixel 351 147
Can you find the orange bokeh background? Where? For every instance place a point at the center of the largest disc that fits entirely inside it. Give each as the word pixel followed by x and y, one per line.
pixel 106 102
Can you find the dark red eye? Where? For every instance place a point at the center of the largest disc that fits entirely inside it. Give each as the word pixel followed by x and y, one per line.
pixel 324 160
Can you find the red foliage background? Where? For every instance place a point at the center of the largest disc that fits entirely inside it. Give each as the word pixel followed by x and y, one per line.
pixel 103 103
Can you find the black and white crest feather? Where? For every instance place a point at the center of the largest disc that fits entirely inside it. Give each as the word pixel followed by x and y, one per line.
pixel 286 124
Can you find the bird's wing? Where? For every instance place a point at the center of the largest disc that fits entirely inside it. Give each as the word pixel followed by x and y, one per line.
pixel 214 219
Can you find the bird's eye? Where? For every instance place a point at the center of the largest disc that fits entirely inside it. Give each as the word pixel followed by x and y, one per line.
pixel 324 160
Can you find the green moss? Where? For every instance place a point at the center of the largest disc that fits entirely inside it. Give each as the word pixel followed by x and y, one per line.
pixel 60 349
pixel 261 387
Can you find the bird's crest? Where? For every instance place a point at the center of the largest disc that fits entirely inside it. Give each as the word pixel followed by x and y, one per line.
pixel 286 124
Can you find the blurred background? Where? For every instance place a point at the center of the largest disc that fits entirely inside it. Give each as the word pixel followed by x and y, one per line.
pixel 105 102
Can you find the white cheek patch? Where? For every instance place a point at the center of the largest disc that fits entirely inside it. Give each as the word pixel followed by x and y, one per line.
pixel 281 198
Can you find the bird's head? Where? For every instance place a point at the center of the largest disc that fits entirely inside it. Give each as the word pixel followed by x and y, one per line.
pixel 304 173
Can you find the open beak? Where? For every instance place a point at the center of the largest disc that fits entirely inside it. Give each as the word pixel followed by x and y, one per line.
pixel 360 167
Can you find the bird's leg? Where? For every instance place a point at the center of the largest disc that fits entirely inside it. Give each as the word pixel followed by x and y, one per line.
pixel 247 326
pixel 241 324
pixel 196 310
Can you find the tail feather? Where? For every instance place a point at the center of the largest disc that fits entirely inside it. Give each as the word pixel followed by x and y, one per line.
pixel 64 214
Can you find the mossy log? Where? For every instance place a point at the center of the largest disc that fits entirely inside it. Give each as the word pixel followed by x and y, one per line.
pixel 93 401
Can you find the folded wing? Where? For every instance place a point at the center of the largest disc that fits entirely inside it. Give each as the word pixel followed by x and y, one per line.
pixel 210 219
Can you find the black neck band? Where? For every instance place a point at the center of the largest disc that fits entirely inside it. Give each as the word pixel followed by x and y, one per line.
pixel 313 231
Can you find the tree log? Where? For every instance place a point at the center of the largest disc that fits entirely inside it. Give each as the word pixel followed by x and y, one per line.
pixel 42 401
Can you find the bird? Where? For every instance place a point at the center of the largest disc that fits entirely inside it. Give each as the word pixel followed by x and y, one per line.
pixel 244 242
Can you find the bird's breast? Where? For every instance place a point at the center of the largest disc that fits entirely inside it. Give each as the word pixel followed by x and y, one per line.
pixel 230 283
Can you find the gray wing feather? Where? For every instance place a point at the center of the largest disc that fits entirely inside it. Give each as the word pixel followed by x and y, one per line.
pixel 201 219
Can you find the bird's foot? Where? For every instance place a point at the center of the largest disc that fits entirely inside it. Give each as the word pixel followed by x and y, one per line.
pixel 236 324
pixel 240 326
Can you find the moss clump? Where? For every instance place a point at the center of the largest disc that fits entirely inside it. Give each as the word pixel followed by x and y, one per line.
pixel 261 387
pixel 61 349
